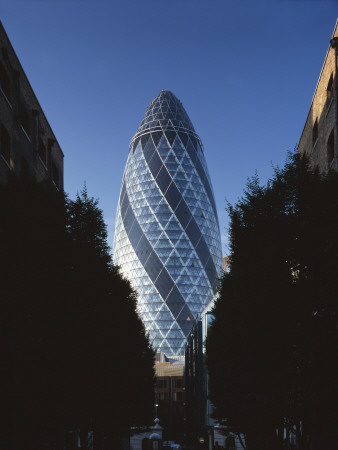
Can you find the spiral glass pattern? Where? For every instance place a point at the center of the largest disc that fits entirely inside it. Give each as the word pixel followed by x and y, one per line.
pixel 167 239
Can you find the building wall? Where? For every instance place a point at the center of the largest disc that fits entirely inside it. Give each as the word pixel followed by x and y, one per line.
pixel 195 386
pixel 27 142
pixel 170 389
pixel 317 140
pixel 198 405
pixel 225 263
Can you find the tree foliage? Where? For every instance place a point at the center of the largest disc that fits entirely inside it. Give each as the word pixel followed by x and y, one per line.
pixel 86 227
pixel 272 348
pixel 75 354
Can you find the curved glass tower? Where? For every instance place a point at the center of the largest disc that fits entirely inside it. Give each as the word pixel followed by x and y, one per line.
pixel 167 239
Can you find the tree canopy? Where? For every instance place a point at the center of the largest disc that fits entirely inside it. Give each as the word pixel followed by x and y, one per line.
pixel 75 354
pixel 272 348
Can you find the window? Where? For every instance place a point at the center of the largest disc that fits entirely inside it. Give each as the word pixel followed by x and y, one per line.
pixel 177 396
pixel 5 82
pixel 315 133
pixel 162 396
pixel 42 152
pixel 5 144
pixel 50 144
pixel 177 383
pixel 24 118
pixel 330 149
pixel 329 90
pixel 162 384
pixel 24 167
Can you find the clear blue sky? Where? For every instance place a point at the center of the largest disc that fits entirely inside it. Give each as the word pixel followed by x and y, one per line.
pixel 245 72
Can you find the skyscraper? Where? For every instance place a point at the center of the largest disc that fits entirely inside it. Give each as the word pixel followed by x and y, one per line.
pixel 167 239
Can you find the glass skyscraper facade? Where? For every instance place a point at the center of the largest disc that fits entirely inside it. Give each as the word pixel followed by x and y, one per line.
pixel 167 238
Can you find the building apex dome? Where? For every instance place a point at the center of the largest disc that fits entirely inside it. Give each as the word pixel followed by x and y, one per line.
pixel 165 112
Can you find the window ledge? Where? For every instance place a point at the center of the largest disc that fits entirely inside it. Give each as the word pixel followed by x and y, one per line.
pixel 55 185
pixel 7 163
pixel 329 107
pixel 25 133
pixel 330 166
pixel 6 98
pixel 43 164
pixel 314 145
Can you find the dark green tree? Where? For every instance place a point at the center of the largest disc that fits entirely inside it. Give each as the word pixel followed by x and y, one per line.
pixel 111 360
pixel 86 226
pixel 32 224
pixel 275 318
pixel 74 352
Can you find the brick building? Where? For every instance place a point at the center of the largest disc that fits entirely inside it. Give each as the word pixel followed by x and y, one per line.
pixel 170 397
pixel 27 142
pixel 319 136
